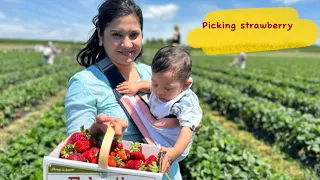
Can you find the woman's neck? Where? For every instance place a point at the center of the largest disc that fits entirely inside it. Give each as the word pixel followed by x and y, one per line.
pixel 127 71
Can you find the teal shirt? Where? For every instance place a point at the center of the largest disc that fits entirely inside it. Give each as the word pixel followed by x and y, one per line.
pixel 89 94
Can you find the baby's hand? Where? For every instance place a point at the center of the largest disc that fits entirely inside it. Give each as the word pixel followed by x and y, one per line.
pixel 169 156
pixel 129 88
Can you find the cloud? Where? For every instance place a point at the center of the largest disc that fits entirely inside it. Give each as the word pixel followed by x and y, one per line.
pixel 11 28
pixel 68 30
pixel 240 30
pixel 39 30
pixel 2 15
pixel 287 2
pixel 163 12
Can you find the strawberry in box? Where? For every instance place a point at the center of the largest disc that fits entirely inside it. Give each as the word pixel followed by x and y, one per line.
pixel 83 147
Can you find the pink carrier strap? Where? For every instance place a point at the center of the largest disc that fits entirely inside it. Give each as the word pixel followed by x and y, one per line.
pixel 114 77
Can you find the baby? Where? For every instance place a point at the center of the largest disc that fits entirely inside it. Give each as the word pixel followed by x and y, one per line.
pixel 171 95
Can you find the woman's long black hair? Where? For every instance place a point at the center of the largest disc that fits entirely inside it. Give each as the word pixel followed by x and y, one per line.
pixel 108 11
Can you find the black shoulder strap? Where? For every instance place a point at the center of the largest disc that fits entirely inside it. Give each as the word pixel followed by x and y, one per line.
pixel 113 75
pixel 111 72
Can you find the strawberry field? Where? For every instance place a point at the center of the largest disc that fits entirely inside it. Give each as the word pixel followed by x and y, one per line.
pixel 275 101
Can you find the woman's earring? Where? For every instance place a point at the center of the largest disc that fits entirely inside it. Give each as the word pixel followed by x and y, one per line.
pixel 100 43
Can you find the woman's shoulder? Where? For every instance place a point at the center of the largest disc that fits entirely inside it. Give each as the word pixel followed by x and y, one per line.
pixel 87 73
pixel 144 69
pixel 90 76
pixel 143 65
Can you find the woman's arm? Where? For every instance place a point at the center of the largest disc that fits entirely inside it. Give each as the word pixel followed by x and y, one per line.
pixel 80 106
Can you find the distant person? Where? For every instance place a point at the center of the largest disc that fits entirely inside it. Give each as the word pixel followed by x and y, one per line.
pixel 49 53
pixel 175 41
pixel 240 61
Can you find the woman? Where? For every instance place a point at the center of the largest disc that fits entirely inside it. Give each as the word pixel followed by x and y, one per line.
pixel 89 98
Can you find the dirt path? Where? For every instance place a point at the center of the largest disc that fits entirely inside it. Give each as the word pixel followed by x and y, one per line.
pixel 20 126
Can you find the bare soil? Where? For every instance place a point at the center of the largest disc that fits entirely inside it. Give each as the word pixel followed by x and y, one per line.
pixel 21 126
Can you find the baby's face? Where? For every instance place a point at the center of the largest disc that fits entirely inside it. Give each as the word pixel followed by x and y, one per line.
pixel 165 86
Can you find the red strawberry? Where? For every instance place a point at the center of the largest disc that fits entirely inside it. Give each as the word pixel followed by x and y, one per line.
pixel 93 142
pixel 77 157
pixel 150 160
pixel 127 153
pixel 120 146
pixel 134 164
pixel 78 136
pixel 122 154
pixel 112 153
pixel 137 156
pixel 122 165
pixel 112 162
pixel 115 142
pixel 81 146
pixel 92 155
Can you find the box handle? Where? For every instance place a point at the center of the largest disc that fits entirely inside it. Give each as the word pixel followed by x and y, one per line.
pixel 105 147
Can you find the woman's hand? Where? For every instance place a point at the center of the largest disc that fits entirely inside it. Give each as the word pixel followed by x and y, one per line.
pixel 129 88
pixel 119 126
pixel 103 121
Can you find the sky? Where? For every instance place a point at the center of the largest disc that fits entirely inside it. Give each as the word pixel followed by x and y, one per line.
pixel 72 19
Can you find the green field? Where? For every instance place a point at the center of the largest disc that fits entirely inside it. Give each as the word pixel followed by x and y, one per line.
pixel 270 111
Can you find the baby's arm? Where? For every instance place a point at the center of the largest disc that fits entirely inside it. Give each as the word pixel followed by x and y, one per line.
pixel 144 86
pixel 189 117
pixel 131 88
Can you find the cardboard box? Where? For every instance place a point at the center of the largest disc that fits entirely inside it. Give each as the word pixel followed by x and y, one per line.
pixel 55 168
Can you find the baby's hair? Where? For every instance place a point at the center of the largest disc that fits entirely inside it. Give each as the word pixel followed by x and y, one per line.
pixel 175 59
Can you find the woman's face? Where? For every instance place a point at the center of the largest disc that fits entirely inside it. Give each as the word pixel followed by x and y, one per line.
pixel 122 39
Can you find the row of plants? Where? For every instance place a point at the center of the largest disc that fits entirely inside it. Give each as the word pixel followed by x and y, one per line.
pixel 312 89
pixel 217 155
pixel 289 68
pixel 305 103
pixel 21 62
pixel 297 134
pixel 286 76
pixel 24 96
pixel 22 158
pixel 9 79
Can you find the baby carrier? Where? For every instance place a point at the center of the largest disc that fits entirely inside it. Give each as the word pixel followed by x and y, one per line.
pixel 138 111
